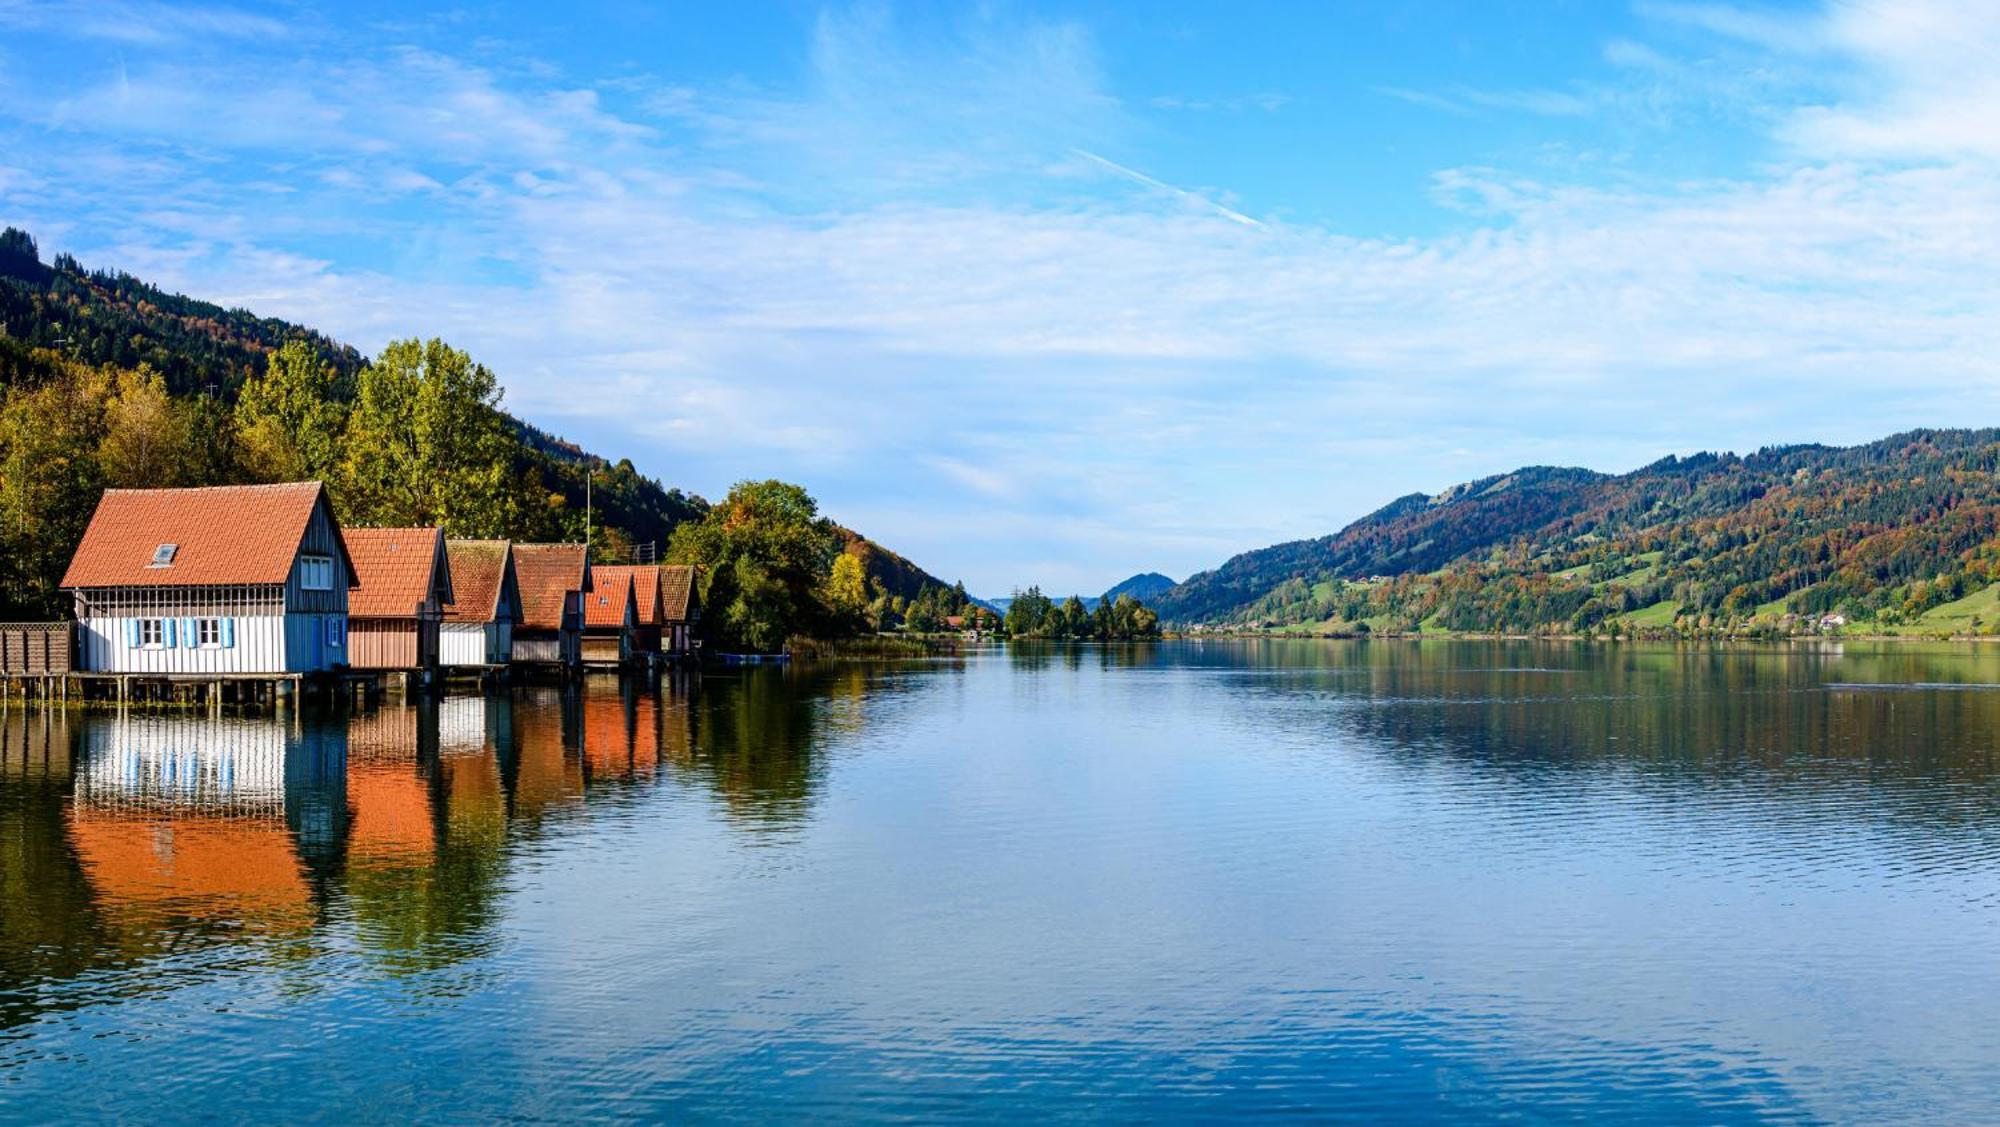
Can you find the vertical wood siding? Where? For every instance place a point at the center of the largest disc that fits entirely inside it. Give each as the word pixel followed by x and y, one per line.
pixel 464 643
pixel 322 538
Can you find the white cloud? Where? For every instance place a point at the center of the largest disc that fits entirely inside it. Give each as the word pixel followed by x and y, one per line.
pixel 138 24
pixel 753 282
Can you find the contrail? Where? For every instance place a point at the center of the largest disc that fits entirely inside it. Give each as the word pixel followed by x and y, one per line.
pixel 1136 176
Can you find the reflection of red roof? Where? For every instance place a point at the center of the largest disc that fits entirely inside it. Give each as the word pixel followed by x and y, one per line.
pixel 676 593
pixel 478 575
pixel 545 573
pixel 645 588
pixel 610 598
pixel 397 569
pixel 242 869
pixel 220 534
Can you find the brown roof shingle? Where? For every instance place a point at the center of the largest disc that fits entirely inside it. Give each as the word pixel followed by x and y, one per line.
pixel 676 593
pixel 222 534
pixel 478 575
pixel 545 573
pixel 396 569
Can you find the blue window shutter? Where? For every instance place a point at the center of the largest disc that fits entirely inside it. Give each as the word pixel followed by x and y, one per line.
pixel 190 636
pixel 228 633
pixel 167 633
pixel 132 632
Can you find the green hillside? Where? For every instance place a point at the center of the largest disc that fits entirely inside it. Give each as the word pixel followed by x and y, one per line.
pixel 1891 535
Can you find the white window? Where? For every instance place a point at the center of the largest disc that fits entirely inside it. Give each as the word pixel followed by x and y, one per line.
pixel 316 573
pixel 208 632
pixel 152 633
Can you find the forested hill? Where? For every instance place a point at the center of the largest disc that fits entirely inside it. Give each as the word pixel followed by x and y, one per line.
pixel 1896 532
pixel 73 340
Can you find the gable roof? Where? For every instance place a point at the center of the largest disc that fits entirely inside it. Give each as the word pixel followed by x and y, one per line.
pixel 221 534
pixel 645 588
pixel 545 573
pixel 610 599
pixel 396 569
pixel 479 570
pixel 676 593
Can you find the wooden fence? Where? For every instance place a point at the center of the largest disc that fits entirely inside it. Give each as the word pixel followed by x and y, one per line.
pixel 35 649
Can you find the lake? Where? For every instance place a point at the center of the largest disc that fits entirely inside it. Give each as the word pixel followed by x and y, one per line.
pixel 1377 880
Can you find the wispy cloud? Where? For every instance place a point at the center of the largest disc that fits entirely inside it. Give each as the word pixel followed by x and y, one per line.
pixel 1466 100
pixel 912 278
pixel 138 24
pixel 1194 199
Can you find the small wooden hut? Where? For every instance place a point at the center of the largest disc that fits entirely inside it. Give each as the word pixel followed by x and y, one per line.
pixel 404 585
pixel 553 579
pixel 609 618
pixel 680 611
pixel 225 580
pixel 479 624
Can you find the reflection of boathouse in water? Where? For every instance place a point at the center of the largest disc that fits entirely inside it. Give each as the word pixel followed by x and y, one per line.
pixel 208 818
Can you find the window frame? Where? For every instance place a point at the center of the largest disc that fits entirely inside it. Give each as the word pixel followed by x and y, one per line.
pixel 316 573
pixel 208 633
pixel 152 633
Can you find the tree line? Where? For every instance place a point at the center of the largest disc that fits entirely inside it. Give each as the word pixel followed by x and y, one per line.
pixel 1032 614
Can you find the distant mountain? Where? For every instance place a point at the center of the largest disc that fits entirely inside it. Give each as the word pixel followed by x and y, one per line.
pixel 1904 531
pixel 1144 587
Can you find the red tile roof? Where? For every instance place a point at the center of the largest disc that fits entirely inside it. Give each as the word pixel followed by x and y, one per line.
pixel 396 569
pixel 478 575
pixel 645 588
pixel 610 597
pixel 676 593
pixel 545 573
pixel 222 534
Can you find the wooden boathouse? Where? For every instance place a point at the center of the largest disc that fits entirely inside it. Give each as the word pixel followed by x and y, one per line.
pixel 212 583
pixel 395 612
pixel 680 611
pixel 644 633
pixel 553 580
pixel 478 629
pixel 609 619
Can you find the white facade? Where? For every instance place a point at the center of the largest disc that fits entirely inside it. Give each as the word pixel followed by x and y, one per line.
pixel 196 637
pixel 476 643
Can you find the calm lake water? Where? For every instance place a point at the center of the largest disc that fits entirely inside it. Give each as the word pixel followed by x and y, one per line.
pixel 1377 879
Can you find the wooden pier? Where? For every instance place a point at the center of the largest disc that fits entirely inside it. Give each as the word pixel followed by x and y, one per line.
pixel 197 690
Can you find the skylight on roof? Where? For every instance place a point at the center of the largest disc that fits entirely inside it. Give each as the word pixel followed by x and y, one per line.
pixel 163 556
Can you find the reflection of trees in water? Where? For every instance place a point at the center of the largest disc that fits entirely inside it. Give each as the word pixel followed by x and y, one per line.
pixel 49 929
pixel 1677 723
pixel 756 737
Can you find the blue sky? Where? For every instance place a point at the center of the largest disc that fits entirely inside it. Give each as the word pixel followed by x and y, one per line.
pixel 1055 293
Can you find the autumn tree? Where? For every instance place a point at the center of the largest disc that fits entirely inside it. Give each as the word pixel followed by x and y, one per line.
pixel 289 421
pixel 50 479
pixel 426 445
pixel 765 556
